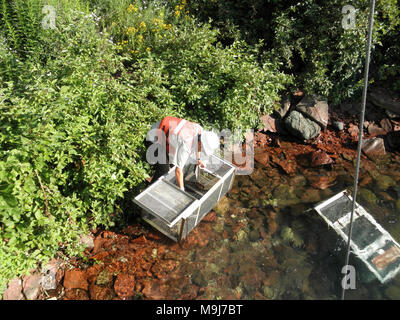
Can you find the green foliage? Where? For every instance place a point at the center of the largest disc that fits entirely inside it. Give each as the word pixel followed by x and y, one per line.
pixel 75 107
pixel 71 145
pixel 307 36
pixel 225 87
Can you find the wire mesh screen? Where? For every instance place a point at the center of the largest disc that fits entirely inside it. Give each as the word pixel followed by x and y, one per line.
pixel 363 233
pixel 369 241
pixel 209 202
pixel 171 232
pixel 166 207
pixel 337 209
pixel 166 201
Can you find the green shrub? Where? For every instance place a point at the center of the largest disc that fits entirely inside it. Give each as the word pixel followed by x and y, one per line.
pixel 307 36
pixel 73 118
pixel 71 145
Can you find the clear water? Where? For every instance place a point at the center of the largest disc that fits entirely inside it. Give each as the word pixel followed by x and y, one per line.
pixel 265 243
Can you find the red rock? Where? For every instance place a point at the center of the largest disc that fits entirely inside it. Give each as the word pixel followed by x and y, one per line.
pixel 141 240
pixel 75 279
pixel 374 130
pixel 98 244
pixel 124 286
pixel 31 286
pixel 320 158
pixel 262 158
pixel 92 272
pixel 154 290
pixel 100 293
pixel 211 217
pixel 260 139
pixel 353 130
pixel 288 166
pixel 76 294
pixel 386 125
pixel 374 148
pixel 14 290
pixel 191 293
pixel 269 123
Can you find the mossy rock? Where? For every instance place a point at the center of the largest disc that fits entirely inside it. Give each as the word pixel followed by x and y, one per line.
pixel 198 279
pixel 241 235
pixel 285 196
pixel 368 196
pixel 384 182
pixel 291 237
pixel 269 292
pixel 393 293
pixel 254 236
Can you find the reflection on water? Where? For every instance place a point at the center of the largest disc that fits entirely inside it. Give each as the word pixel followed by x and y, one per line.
pixel 267 244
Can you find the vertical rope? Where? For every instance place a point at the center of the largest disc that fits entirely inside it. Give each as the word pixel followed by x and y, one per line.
pixel 361 127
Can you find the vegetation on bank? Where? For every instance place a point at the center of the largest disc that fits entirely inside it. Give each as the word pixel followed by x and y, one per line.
pixel 76 101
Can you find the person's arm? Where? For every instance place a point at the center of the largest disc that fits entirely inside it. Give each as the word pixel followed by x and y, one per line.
pixel 179 178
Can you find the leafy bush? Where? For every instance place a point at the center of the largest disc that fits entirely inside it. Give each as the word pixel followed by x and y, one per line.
pixel 74 116
pixel 71 145
pixel 307 36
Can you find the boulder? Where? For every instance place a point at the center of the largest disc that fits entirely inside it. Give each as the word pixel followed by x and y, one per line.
pixel 373 148
pixel 302 127
pixel 374 130
pixel 316 109
pixel 320 158
pixel 269 123
pixel 31 286
pixel 75 279
pixel 14 290
pixel 385 99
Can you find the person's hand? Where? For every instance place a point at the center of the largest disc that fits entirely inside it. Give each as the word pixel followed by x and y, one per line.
pixel 200 164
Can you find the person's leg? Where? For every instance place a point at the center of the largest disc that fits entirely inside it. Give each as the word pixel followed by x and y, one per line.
pixel 160 168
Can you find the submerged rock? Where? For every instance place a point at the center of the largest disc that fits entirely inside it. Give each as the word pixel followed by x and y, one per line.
pixel 320 158
pixel 285 196
pixel 289 236
pixel 302 127
pixel 368 196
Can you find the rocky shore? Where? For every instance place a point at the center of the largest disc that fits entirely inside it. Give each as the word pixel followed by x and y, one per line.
pixel 304 154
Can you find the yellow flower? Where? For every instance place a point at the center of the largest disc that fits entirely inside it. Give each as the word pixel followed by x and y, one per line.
pixel 131 30
pixel 142 25
pixel 132 8
pixel 148 49
pixel 177 13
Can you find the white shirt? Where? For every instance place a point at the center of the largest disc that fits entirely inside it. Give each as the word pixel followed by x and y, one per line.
pixel 182 146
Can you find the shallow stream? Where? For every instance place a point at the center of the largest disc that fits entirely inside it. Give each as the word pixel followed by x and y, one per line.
pixel 264 243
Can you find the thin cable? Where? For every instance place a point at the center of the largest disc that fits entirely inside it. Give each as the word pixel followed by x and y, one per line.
pixel 361 127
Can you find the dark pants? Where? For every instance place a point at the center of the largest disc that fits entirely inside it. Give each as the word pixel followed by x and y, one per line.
pixel 160 168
